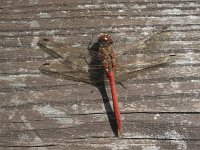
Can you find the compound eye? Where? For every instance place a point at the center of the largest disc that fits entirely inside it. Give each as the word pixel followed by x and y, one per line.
pixel 105 40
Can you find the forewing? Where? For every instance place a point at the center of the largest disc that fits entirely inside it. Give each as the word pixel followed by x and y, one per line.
pixel 71 63
pixel 75 57
pixel 145 56
pixel 151 43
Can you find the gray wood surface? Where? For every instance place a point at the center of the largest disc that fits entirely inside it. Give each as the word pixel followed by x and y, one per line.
pixel 160 110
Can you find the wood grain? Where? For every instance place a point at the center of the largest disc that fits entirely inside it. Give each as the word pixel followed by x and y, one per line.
pixel 160 110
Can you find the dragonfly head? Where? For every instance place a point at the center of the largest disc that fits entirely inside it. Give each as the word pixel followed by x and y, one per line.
pixel 105 40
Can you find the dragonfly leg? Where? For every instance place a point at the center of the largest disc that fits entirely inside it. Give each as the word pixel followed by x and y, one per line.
pixel 89 45
pixel 82 56
pixel 92 89
pixel 123 85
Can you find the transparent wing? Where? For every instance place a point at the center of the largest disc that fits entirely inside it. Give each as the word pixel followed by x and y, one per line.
pixel 72 63
pixel 75 57
pixel 149 44
pixel 57 69
pixel 145 56
pixel 141 68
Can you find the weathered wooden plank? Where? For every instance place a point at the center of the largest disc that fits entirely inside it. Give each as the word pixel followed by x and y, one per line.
pixel 171 71
pixel 107 144
pixel 108 3
pixel 137 99
pixel 176 130
pixel 178 42
pixel 144 94
pixel 178 32
pixel 67 12
pixel 49 117
pixel 160 110
pixel 81 23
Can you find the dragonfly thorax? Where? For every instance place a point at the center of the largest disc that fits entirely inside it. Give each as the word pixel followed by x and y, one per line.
pixel 108 58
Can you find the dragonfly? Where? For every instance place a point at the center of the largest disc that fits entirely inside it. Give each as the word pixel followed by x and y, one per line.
pixel 100 63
